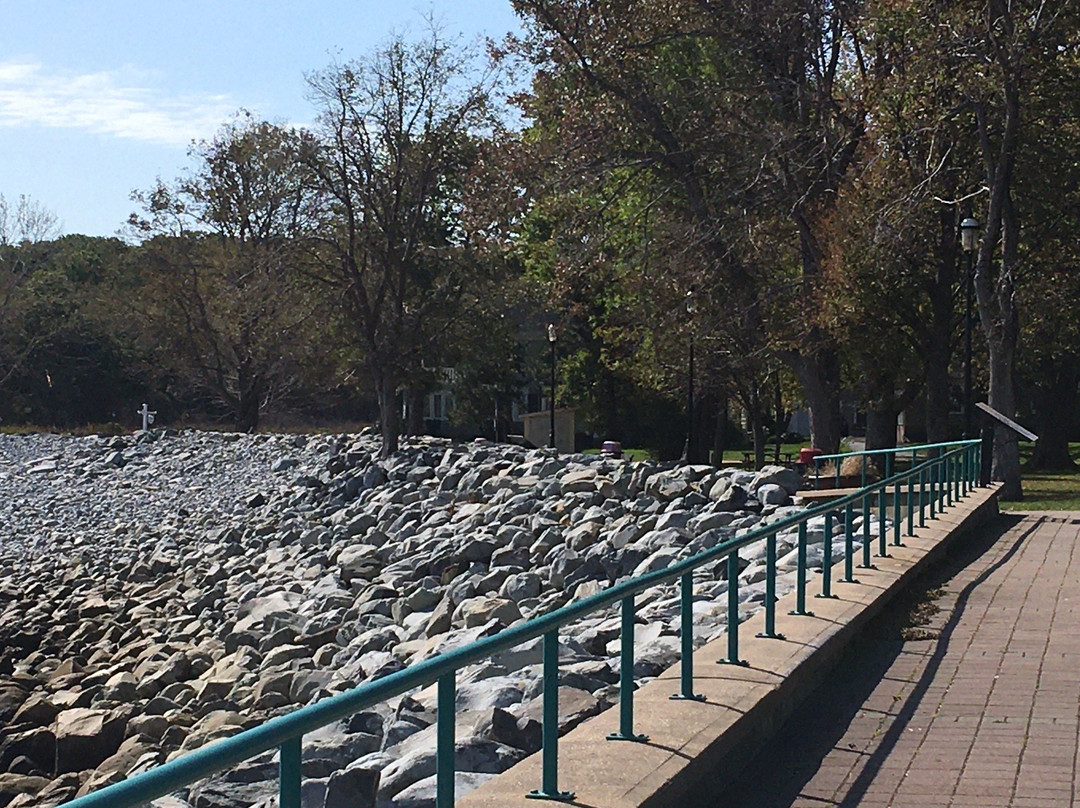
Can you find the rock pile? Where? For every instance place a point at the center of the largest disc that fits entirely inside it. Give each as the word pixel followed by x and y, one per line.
pixel 168 589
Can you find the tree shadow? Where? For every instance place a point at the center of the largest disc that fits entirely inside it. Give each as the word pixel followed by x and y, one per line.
pixel 779 773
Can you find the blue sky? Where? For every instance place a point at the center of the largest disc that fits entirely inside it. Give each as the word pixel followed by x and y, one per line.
pixel 100 98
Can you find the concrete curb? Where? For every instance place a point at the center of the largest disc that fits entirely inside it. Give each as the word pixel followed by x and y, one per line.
pixel 690 742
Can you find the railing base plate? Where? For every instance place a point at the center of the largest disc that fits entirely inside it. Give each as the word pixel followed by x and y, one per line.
pixel 554 796
pixel 618 736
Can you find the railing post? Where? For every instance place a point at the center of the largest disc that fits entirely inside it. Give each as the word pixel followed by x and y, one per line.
pixel 289 767
pixel 733 610
pixel 911 504
pixel 922 497
pixel 896 514
pixel 444 742
pixel 800 564
pixel 626 677
pixel 549 789
pixel 882 545
pixel 770 589
pixel 866 543
pixel 948 480
pixel 826 558
pixel 933 473
pixel 849 545
pixel 686 631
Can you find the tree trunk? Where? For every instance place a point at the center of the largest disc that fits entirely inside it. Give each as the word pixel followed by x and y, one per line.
pixel 248 399
pixel 819 375
pixel 881 425
pixel 414 411
pixel 1006 465
pixel 720 432
pixel 995 281
pixel 1001 324
pixel 757 424
pixel 247 412
pixel 389 417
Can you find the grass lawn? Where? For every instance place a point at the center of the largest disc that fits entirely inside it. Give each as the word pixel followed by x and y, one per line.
pixel 770 452
pixel 1048 490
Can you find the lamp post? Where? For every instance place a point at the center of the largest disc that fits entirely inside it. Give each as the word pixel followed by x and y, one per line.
pixel 552 337
pixel 969 241
pixel 691 308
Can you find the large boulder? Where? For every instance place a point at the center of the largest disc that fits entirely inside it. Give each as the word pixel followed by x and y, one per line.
pixel 86 737
pixel 786 478
pixel 352 788
pixel 480 610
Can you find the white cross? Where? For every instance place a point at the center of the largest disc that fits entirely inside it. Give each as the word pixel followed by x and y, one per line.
pixel 147 417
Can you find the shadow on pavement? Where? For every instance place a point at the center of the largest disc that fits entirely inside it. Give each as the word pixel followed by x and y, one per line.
pixel 776 777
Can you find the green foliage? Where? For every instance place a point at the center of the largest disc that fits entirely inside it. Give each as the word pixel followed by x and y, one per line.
pixel 222 294
pixel 61 360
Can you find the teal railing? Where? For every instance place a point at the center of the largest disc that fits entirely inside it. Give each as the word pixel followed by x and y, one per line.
pixel 933 484
pixel 890 458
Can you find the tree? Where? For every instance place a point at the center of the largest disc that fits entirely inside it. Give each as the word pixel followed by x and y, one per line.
pixel 1048 180
pixel 64 358
pixel 1010 54
pixel 21 227
pixel 400 131
pixel 737 117
pixel 226 298
pixel 28 222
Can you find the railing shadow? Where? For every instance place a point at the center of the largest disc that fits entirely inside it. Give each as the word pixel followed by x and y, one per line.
pixel 819 724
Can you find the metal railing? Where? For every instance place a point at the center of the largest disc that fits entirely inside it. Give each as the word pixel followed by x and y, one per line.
pixel 890 458
pixel 933 484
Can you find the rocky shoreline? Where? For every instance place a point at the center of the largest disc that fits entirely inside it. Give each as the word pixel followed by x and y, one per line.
pixel 164 590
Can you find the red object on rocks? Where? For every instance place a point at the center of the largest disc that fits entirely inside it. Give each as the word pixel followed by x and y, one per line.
pixel 611 448
pixel 807 454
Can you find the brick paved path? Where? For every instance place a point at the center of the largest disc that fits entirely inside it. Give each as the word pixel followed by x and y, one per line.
pixel 982 711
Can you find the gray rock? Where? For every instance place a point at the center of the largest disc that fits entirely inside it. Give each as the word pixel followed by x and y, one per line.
pixel 352 788
pixel 421 794
pixel 786 478
pixel 772 494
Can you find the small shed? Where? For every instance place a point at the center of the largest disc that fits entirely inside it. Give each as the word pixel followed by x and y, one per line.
pixel 538 428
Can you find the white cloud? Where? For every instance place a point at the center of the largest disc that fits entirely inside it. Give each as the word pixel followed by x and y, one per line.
pixel 108 102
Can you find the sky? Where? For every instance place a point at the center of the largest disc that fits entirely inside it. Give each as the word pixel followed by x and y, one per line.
pixel 100 98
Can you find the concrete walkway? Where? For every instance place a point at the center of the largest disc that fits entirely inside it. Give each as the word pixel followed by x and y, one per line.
pixel 977 708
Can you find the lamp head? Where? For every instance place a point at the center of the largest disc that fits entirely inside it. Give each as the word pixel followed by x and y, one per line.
pixel 969 234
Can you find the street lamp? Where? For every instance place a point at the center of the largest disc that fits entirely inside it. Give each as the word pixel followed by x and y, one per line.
pixel 552 337
pixel 691 308
pixel 969 241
